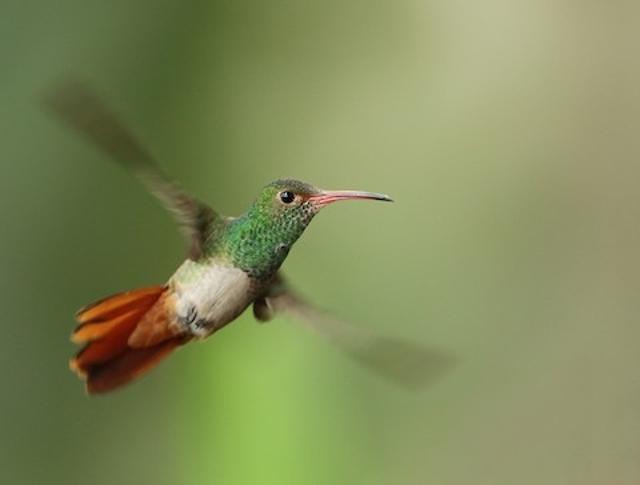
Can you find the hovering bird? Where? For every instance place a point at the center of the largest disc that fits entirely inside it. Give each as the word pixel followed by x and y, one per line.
pixel 232 263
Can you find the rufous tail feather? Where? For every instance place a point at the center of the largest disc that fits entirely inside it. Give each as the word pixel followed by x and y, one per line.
pixel 125 336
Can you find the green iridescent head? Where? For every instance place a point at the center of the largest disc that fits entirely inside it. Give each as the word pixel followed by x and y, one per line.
pixel 260 240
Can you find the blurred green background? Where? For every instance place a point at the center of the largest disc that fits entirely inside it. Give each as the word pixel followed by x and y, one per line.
pixel 508 132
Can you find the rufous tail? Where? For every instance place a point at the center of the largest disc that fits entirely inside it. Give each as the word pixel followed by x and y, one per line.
pixel 125 336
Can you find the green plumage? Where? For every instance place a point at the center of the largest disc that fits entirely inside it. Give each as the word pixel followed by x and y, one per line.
pixel 259 240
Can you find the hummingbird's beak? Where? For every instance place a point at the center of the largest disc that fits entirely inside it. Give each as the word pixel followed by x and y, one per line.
pixel 325 197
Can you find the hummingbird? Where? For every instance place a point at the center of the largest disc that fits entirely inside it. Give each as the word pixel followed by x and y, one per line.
pixel 232 263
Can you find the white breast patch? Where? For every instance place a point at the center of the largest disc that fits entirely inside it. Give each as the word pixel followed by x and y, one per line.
pixel 211 296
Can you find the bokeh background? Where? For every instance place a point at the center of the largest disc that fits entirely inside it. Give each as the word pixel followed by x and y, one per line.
pixel 508 132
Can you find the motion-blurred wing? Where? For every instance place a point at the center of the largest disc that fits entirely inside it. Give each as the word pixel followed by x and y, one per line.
pixel 405 363
pixel 76 104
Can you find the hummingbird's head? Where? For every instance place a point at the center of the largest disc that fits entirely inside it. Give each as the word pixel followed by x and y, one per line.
pixel 293 203
pixel 278 217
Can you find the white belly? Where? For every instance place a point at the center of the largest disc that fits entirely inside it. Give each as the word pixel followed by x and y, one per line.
pixel 208 297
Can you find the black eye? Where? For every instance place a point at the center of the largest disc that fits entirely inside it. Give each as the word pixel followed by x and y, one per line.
pixel 287 197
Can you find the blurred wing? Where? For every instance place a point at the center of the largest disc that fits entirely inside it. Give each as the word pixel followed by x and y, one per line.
pixel 405 363
pixel 77 105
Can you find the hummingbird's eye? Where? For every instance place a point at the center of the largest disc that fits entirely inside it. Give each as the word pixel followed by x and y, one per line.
pixel 287 197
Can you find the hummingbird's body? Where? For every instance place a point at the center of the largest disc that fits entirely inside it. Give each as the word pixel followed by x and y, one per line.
pixel 232 263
